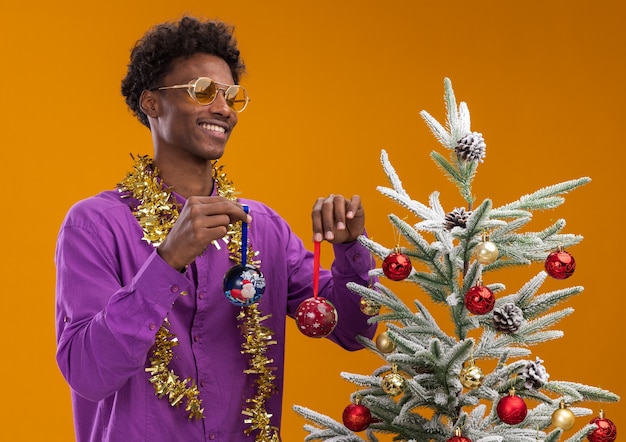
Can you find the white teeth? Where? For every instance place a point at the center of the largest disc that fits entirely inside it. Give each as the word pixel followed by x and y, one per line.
pixel 213 127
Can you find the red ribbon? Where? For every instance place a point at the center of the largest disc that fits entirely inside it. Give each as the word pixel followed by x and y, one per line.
pixel 316 268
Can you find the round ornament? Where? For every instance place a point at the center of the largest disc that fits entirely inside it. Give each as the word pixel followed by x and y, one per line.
pixel 511 409
pixel 479 300
pixel 357 417
pixel 316 317
pixel 471 376
pixel 369 307
pixel 486 252
pixel 397 266
pixel 244 285
pixel 606 431
pixel 384 344
pixel 560 264
pixel 458 437
pixel 393 383
pixel 563 417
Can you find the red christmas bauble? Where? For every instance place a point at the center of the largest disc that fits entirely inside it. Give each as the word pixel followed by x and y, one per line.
pixel 357 417
pixel 560 264
pixel 606 431
pixel 458 438
pixel 397 266
pixel 316 317
pixel 480 300
pixel 512 409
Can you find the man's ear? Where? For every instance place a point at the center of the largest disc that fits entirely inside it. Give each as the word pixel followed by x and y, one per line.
pixel 148 103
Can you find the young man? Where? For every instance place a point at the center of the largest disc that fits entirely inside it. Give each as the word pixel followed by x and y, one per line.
pixel 147 339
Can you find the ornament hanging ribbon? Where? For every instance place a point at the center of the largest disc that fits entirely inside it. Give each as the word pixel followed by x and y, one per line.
pixel 316 268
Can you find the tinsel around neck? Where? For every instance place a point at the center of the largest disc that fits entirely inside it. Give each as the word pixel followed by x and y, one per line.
pixel 156 213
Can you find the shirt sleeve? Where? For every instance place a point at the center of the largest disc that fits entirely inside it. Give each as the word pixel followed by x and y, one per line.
pixel 104 328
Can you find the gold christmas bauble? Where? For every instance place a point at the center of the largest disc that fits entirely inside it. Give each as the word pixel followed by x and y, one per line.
pixel 369 307
pixel 563 418
pixel 471 376
pixel 384 343
pixel 486 252
pixel 393 384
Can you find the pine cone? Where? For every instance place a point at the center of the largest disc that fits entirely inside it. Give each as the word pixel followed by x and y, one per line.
pixel 458 217
pixel 534 374
pixel 471 147
pixel 507 318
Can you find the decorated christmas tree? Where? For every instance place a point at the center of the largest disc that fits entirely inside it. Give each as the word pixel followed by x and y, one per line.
pixel 431 386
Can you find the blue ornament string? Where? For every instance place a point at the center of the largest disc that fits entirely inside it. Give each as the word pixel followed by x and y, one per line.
pixel 244 237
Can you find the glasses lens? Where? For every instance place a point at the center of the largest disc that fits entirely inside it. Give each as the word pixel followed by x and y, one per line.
pixel 236 98
pixel 205 90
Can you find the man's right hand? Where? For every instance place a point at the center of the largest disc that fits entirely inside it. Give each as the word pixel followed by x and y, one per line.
pixel 202 220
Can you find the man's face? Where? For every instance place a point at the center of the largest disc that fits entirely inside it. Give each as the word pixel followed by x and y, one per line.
pixel 184 128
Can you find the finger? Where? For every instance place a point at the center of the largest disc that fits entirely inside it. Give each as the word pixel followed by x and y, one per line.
pixel 353 206
pixel 339 213
pixel 328 217
pixel 213 206
pixel 316 218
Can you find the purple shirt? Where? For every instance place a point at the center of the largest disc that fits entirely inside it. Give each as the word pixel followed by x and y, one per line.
pixel 114 291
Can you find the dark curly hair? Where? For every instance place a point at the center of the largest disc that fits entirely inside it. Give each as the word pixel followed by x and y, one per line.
pixel 151 58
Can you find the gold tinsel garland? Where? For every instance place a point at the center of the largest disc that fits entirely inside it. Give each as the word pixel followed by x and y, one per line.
pixel 156 213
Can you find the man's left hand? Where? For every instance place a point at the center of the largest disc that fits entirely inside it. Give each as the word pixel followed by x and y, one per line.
pixel 337 219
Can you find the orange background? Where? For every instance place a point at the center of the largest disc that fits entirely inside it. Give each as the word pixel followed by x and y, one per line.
pixel 332 84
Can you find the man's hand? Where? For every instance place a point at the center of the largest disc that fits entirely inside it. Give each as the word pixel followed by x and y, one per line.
pixel 338 220
pixel 202 220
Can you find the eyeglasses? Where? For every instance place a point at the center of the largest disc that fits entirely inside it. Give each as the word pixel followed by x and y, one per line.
pixel 204 92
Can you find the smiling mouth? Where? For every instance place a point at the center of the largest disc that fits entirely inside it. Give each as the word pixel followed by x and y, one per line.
pixel 213 127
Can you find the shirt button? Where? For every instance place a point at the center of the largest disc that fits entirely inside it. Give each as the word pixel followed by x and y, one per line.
pixel 202 383
pixel 196 338
pixel 211 436
pixel 174 289
pixel 152 326
pixel 356 257
pixel 201 295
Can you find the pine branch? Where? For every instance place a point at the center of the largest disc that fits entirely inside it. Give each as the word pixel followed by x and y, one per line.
pixel 545 198
pixel 475 227
pixel 419 209
pixel 383 296
pixel 499 213
pixel 492 346
pixel 392 175
pixel 554 435
pixel 438 288
pixel 523 298
pixel 421 250
pixel 548 301
pixel 584 392
pixel 452 112
pixel 468 172
pixel 537 325
pixel 335 427
pixel 440 133
pixel 404 343
pixel 581 434
pixel 362 380
pixel 452 172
